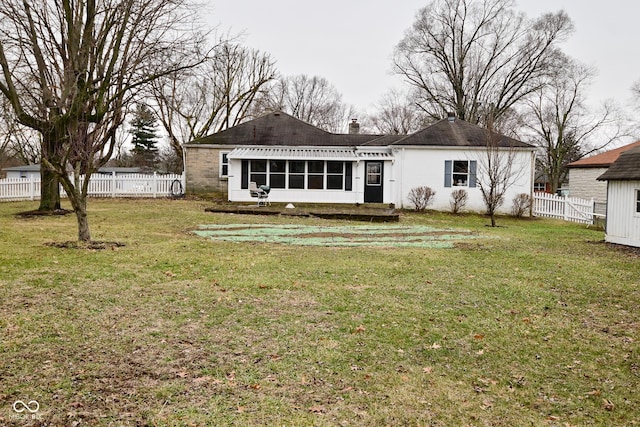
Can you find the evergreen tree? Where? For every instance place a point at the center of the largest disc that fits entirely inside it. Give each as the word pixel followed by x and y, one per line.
pixel 143 129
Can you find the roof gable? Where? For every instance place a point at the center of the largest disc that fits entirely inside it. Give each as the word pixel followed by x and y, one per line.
pixel 603 159
pixel 626 168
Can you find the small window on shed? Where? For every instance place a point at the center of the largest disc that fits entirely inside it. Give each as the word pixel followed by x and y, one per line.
pixel 638 201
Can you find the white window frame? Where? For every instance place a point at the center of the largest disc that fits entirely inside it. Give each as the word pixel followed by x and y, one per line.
pixel 223 155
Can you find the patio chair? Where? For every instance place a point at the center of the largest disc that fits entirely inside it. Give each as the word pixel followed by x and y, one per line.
pixel 261 193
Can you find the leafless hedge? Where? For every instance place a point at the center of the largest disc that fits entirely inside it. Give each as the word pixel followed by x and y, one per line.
pixel 458 200
pixel 421 197
pixel 521 205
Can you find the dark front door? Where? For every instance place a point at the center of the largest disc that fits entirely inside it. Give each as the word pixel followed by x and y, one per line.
pixel 373 182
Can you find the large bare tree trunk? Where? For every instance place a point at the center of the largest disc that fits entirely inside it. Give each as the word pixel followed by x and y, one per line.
pixel 49 183
pixel 49 190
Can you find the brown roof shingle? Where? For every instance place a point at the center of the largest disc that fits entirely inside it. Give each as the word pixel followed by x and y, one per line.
pixel 604 159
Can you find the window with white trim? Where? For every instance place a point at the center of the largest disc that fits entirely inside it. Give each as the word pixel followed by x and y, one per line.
pixel 258 172
pixel 539 186
pixel 298 174
pixel 638 201
pixel 460 173
pixel 277 173
pixel 224 164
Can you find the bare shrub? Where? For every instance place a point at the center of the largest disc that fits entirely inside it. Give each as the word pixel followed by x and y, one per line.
pixel 521 205
pixel 459 198
pixel 421 197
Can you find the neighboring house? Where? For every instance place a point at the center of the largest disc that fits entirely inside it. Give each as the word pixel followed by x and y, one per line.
pixel 26 171
pixel 33 171
pixel 584 173
pixel 623 199
pixel 302 163
pixel 541 182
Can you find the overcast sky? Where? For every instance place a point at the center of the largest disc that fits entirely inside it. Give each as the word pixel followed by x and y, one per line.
pixel 350 42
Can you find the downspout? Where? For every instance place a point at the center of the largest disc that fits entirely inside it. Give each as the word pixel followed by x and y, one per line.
pixel 401 185
pixel 532 182
pixel 184 168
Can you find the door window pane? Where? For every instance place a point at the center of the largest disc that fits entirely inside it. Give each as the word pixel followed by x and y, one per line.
pixel 374 173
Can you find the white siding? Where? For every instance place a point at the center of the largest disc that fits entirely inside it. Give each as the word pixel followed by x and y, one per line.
pixel 281 195
pixel 416 167
pixel 409 168
pixel 623 223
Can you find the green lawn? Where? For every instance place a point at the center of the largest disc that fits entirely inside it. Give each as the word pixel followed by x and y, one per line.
pixel 534 323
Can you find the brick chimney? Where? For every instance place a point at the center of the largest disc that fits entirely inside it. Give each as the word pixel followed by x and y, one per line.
pixel 354 127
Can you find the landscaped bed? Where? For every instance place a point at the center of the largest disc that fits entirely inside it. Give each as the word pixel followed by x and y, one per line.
pixel 535 322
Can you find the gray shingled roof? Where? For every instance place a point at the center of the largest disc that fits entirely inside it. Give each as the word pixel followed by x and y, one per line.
pixel 456 132
pixel 281 129
pixel 626 168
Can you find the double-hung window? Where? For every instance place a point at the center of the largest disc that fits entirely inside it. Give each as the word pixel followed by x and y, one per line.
pixel 277 173
pixel 296 174
pixel 638 201
pixel 315 177
pixel 259 172
pixel 335 175
pixel 460 173
pixel 224 164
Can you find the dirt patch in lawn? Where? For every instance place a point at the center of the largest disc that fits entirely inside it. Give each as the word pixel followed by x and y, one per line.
pixel 38 213
pixel 70 244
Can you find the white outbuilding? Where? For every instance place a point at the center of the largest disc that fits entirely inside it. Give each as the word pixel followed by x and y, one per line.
pixel 623 199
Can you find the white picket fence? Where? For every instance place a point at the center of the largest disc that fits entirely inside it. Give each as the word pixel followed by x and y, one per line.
pixel 100 185
pixel 566 208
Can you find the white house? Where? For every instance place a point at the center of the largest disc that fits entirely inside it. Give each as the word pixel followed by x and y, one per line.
pixel 301 163
pixel 623 199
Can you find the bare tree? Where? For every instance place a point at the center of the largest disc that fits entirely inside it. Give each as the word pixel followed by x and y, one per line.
pixel 635 103
pixel 70 68
pixel 17 141
pixel 212 97
pixel 397 114
pixel 497 171
pixel 311 99
pixel 477 58
pixel 562 125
